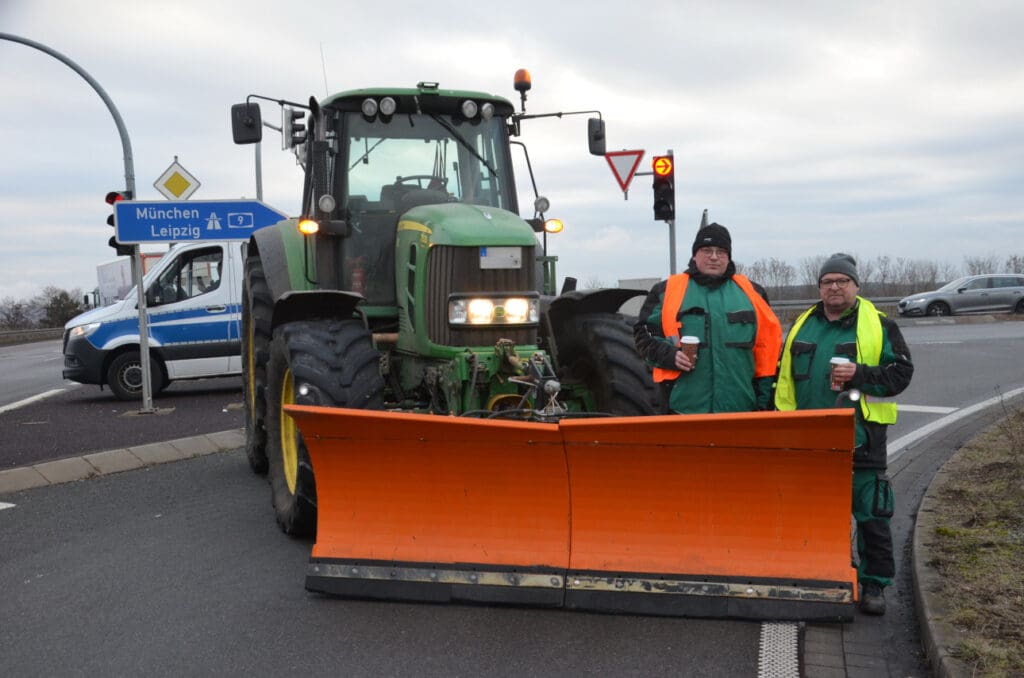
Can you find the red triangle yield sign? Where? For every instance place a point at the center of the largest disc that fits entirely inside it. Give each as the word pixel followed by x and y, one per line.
pixel 624 164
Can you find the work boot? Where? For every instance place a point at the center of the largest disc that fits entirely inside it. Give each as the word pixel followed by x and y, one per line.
pixel 872 598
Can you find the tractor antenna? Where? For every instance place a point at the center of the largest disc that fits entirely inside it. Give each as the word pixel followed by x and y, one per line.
pixel 323 66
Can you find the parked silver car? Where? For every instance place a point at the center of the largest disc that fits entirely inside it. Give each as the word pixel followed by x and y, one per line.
pixel 989 293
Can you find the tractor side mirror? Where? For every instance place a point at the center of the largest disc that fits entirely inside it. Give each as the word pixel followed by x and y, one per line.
pixel 595 136
pixel 246 123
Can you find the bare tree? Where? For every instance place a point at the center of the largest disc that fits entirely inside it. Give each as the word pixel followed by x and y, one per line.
pixel 808 268
pixel 14 314
pixel 986 264
pixel 948 272
pixel 1015 263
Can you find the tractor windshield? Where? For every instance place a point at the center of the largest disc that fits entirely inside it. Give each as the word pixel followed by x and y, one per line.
pixel 408 160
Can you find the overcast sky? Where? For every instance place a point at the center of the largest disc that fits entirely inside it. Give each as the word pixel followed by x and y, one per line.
pixel 805 127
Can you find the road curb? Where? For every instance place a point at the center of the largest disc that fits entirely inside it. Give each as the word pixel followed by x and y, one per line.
pixel 117 460
pixel 938 636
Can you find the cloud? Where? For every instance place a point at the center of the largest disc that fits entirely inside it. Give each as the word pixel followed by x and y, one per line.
pixel 805 127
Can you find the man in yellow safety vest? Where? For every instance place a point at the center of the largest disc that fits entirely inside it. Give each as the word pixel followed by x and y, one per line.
pixel 870 355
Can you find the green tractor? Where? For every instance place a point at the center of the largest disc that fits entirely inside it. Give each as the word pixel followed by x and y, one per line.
pixel 411 282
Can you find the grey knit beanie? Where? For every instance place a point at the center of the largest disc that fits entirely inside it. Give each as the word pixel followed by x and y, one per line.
pixel 840 263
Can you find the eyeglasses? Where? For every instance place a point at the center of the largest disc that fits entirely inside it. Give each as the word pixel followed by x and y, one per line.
pixel 840 283
pixel 712 251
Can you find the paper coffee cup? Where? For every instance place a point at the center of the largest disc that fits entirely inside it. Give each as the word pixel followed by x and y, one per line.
pixel 837 360
pixel 689 344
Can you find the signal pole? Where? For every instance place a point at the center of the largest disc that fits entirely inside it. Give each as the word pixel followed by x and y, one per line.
pixel 129 180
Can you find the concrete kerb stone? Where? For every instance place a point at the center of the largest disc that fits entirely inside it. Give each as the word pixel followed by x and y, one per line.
pixel 23 478
pixel 938 636
pixel 116 461
pixel 65 470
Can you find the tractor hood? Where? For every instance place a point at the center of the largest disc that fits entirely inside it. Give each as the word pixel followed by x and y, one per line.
pixel 461 224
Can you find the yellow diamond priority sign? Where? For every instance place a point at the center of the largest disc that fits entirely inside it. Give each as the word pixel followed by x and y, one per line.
pixel 176 183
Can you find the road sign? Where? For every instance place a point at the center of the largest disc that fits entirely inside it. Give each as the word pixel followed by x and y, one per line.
pixel 624 164
pixel 137 221
pixel 176 183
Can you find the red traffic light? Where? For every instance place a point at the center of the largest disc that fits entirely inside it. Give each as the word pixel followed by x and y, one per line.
pixel 662 165
pixel 117 196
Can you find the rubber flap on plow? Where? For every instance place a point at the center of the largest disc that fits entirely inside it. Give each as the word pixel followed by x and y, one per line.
pixel 742 515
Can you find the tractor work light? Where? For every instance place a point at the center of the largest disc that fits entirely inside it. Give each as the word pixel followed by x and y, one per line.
pixel 487 111
pixel 308 226
pixel 469 108
pixel 517 310
pixel 388 106
pixel 554 226
pixel 369 107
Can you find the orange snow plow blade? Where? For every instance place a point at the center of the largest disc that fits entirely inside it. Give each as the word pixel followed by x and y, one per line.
pixel 732 515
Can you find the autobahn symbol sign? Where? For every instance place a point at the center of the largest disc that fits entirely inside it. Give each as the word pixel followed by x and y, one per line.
pixel 624 164
pixel 137 221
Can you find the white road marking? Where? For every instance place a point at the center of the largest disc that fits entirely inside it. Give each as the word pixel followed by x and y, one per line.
pixel 28 401
pixel 4 505
pixel 778 655
pixel 898 446
pixel 928 409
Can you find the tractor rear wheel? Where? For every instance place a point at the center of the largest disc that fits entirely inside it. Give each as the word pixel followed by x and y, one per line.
pixel 597 350
pixel 257 309
pixel 312 362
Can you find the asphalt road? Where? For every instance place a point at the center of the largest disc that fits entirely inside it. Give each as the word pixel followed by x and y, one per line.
pixel 84 419
pixel 179 569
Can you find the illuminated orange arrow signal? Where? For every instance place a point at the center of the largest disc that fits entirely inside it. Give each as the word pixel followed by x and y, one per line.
pixel 662 165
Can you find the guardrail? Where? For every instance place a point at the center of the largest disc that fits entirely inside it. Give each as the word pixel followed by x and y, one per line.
pixel 790 304
pixel 8 337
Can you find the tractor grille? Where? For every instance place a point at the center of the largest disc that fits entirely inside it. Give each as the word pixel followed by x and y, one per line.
pixel 457 270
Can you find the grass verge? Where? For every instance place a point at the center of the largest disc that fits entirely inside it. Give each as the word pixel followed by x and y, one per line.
pixel 979 548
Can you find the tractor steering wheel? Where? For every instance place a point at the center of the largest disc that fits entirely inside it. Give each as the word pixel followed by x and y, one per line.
pixel 431 179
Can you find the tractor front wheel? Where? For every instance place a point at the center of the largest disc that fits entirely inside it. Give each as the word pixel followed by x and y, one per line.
pixel 330 363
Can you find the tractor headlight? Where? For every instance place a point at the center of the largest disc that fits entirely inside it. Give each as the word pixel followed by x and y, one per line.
pixel 511 310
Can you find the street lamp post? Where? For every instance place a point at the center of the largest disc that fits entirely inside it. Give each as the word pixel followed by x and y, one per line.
pixel 129 180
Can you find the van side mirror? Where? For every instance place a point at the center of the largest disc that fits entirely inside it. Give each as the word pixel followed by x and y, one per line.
pixel 246 123
pixel 596 136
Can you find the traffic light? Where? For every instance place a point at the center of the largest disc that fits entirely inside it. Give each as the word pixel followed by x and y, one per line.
pixel 114 197
pixel 664 188
pixel 293 128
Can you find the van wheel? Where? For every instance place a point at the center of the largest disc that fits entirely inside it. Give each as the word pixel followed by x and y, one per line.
pixel 257 308
pixel 322 362
pixel 124 376
pixel 597 351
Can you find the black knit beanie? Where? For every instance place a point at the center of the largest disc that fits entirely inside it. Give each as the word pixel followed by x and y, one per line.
pixel 840 263
pixel 713 235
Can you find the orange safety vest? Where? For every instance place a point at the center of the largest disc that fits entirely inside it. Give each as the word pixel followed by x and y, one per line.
pixel 767 343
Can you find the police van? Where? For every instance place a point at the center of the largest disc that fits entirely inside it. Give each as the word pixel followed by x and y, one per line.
pixel 193 299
